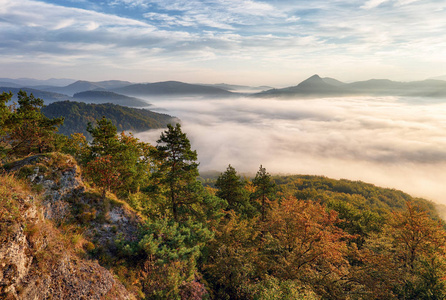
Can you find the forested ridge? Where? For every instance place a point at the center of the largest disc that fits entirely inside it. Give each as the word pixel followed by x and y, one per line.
pixel 77 115
pixel 266 237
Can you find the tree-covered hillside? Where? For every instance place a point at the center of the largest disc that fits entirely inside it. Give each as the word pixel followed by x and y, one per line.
pixel 77 115
pixel 361 195
pixel 98 97
pixel 140 211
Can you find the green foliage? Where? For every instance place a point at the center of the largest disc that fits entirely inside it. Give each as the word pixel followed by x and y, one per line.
pixel 24 129
pixel 177 171
pixel 358 223
pixel 112 161
pixel 232 188
pixel 77 115
pixel 264 189
pixel 362 196
pixel 5 113
pixel 172 249
pixel 272 288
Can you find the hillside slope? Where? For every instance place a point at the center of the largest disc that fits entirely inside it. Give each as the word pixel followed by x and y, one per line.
pixel 169 88
pixel 77 115
pixel 39 259
pixel 109 97
pixel 58 237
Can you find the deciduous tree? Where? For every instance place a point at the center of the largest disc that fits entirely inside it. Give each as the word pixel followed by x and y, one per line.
pixel 303 242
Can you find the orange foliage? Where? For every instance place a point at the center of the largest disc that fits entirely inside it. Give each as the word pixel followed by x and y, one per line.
pixel 302 242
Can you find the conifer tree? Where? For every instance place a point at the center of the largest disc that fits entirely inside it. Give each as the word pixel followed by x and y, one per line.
pixel 177 170
pixel 265 188
pixel 124 156
pixel 105 137
pixel 4 116
pixel 27 129
pixel 232 189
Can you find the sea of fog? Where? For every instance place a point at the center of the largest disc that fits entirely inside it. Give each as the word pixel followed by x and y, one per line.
pixel 392 142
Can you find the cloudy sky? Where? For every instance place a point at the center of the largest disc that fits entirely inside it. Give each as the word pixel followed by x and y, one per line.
pixel 272 42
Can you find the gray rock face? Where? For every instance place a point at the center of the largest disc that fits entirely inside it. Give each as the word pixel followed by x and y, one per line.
pixel 14 260
pixel 34 260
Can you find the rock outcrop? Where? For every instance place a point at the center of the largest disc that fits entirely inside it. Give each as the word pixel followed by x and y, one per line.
pixel 37 259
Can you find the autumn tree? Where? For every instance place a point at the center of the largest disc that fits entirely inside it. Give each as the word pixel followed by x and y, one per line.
pixel 419 245
pixel 77 146
pixel 103 172
pixel 406 261
pixel 264 189
pixel 234 261
pixel 303 242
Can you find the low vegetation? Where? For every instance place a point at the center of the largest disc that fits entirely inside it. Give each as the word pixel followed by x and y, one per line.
pixel 269 237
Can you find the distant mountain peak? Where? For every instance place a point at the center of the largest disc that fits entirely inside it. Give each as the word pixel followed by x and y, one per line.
pixel 315 77
pixel 313 81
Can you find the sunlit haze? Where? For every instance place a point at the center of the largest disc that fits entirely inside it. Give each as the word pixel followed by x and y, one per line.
pixel 388 141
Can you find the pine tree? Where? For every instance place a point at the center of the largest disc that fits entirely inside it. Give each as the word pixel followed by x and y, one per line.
pixel 105 138
pixel 27 129
pixel 232 189
pixel 265 188
pixel 124 156
pixel 5 113
pixel 178 170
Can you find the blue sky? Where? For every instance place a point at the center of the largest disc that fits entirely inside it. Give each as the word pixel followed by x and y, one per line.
pixel 275 42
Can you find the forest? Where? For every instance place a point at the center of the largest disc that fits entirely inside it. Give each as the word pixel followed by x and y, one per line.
pixel 77 115
pixel 228 237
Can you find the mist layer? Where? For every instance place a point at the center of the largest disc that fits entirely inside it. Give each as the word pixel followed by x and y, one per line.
pixel 389 141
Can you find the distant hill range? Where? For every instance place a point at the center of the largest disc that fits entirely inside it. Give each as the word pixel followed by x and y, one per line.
pixel 315 86
pixel 48 97
pixel 30 82
pixel 172 88
pixel 77 115
pixel 239 88
pixel 109 97
pixel 124 92
pixel 83 86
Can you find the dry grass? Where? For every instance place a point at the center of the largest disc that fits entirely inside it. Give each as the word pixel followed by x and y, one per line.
pixel 12 193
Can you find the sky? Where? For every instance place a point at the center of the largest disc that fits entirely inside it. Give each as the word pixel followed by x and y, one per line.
pixel 272 42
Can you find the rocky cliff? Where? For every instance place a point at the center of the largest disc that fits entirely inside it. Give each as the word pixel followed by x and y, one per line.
pixel 43 249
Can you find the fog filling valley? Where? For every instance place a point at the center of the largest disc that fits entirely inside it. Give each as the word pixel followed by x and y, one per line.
pixel 392 142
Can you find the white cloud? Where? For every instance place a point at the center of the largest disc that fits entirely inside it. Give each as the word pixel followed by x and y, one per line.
pixel 373 3
pixel 273 40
